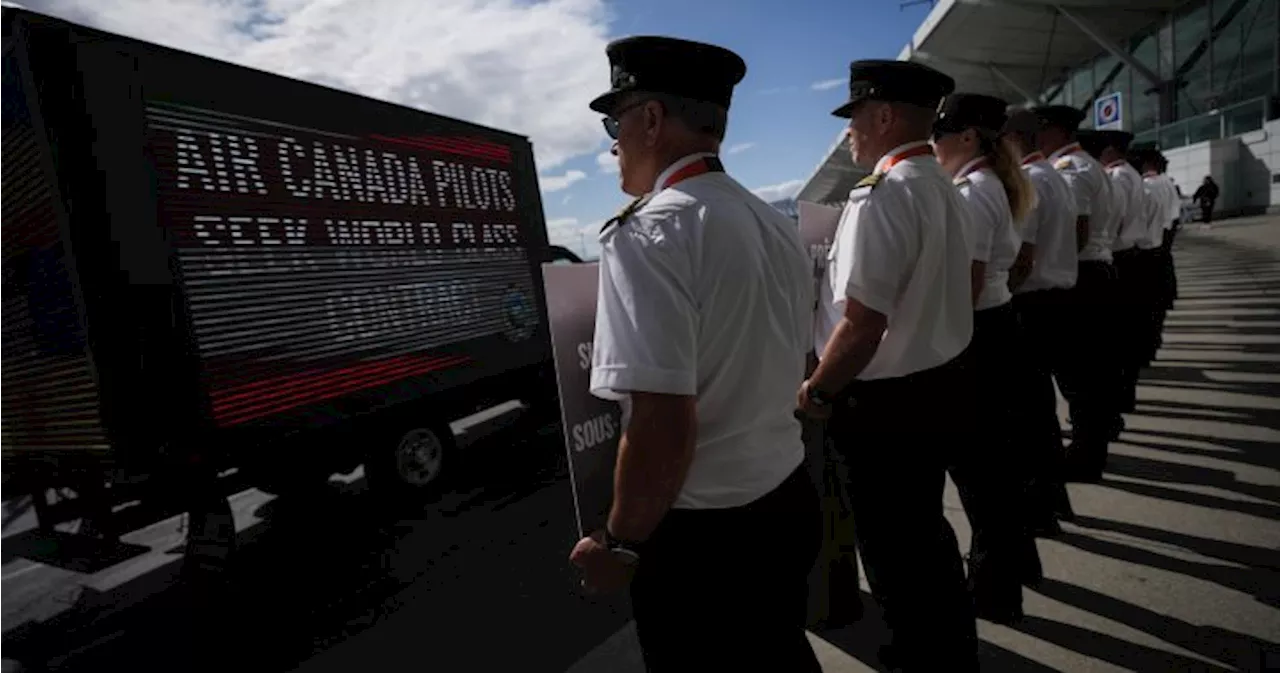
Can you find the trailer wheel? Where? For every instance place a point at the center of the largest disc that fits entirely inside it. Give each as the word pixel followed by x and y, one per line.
pixel 411 461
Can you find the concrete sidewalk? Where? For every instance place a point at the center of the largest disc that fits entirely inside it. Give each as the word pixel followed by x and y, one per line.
pixel 1174 564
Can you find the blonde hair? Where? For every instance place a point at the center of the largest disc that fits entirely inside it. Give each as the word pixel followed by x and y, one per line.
pixel 1006 163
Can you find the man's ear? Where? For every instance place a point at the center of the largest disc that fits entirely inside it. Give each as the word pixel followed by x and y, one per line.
pixel 654 117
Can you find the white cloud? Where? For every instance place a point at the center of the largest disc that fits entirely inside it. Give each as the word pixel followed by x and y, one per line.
pixel 827 84
pixel 739 147
pixel 555 183
pixel 530 68
pixel 783 190
pixel 565 231
pixel 607 162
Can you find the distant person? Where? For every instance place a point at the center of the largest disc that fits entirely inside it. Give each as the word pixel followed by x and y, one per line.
pixel 1206 196
pixel 703 328
pixel 895 319
pixel 991 472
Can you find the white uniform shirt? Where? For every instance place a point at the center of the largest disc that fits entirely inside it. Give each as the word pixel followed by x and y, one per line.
pixel 1051 226
pixel 901 251
pixel 1130 197
pixel 706 290
pixel 1156 200
pixel 1175 202
pixel 1092 191
pixel 992 239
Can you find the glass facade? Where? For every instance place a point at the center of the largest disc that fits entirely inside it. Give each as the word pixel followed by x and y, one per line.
pixel 1218 59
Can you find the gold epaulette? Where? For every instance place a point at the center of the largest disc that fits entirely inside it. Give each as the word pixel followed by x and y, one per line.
pixel 1062 164
pixel 623 214
pixel 869 181
pixel 960 182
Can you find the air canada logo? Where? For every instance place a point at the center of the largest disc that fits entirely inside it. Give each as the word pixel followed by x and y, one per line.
pixel 521 315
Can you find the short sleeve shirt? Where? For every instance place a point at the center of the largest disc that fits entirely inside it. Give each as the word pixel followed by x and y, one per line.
pixel 901 250
pixel 707 291
pixel 1054 218
pixel 1130 198
pixel 992 237
pixel 1092 191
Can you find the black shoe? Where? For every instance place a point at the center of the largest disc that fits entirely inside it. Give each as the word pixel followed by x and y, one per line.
pixel 1007 615
pixel 1047 528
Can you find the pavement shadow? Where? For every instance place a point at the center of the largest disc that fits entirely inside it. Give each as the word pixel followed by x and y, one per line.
pixel 1123 653
pixel 1243 652
pixel 74 552
pixel 1257 509
pixel 1244 554
pixel 863 640
pixel 480 578
pixel 1263 583
pixel 1150 469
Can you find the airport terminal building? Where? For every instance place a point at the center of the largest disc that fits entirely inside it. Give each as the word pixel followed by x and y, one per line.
pixel 1200 78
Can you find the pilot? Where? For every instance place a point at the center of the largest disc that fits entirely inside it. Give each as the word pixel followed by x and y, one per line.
pixel 704 322
pixel 894 322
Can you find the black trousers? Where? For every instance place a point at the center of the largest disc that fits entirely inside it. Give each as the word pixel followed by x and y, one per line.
pixel 726 589
pixel 899 436
pixel 1135 314
pixel 991 473
pixel 1090 380
pixel 1045 321
pixel 1169 289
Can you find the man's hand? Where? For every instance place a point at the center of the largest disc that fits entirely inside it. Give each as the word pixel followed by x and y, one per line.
pixel 808 406
pixel 602 570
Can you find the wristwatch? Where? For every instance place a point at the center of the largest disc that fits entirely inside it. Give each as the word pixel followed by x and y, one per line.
pixel 627 552
pixel 817 397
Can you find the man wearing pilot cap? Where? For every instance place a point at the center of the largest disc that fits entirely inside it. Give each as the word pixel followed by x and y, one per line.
pixel 895 318
pixel 703 323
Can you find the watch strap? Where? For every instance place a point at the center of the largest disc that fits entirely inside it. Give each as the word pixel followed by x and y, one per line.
pixel 620 546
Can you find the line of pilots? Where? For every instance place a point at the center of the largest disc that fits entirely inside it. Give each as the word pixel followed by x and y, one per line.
pixel 1070 236
pixel 1066 279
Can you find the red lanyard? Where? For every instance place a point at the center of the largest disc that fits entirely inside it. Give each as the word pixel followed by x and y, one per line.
pixel 1032 158
pixel 895 159
pixel 1116 163
pixel 975 166
pixel 703 165
pixel 1070 149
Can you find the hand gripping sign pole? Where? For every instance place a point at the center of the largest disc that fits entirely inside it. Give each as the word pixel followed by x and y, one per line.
pixel 592 426
pixel 834 600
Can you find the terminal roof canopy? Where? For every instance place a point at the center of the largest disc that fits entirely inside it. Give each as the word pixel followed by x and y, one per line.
pixel 1013 49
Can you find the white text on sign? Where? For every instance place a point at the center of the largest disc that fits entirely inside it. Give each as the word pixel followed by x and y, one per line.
pixel 593 432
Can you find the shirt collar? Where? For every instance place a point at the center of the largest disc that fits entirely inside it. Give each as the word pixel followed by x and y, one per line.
pixel 1065 150
pixel 1032 157
pixel 970 167
pixel 679 163
pixel 897 150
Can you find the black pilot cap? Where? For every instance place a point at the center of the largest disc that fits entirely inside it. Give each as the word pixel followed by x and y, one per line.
pixel 895 82
pixel 1061 116
pixel 1092 141
pixel 668 65
pixel 1117 139
pixel 967 110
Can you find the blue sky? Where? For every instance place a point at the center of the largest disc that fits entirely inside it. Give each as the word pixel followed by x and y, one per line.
pixel 780 125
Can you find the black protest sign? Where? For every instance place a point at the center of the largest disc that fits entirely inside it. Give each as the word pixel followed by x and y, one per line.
pixel 834 600
pixel 818 226
pixel 592 426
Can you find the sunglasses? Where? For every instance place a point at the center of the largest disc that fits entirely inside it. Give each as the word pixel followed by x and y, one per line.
pixel 611 124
